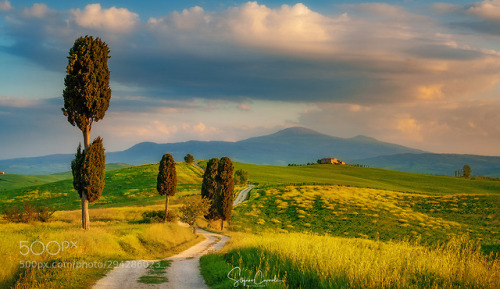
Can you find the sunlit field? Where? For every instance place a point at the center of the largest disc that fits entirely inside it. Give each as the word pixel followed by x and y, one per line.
pixel 124 187
pixel 371 214
pixel 298 260
pixel 115 235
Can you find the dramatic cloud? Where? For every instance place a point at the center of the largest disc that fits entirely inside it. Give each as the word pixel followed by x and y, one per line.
pixel 487 9
pixel 374 53
pixel 438 126
pixel 373 68
pixel 117 20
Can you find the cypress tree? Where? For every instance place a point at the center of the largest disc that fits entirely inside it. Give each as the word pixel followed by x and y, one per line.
pixel 86 98
pixel 166 182
pixel 189 158
pixel 88 170
pixel 466 171
pixel 87 93
pixel 225 190
pixel 209 186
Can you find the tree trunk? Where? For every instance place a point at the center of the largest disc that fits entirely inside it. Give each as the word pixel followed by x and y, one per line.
pixel 194 229
pixel 86 138
pixel 85 201
pixel 221 224
pixel 85 212
pixel 166 207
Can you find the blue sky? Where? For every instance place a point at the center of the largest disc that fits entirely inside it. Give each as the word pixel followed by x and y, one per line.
pixel 424 74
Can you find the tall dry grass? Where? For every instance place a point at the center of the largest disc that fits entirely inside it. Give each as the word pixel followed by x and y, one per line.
pixel 312 261
pixel 114 236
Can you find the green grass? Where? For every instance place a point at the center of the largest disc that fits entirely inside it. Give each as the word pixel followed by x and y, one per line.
pixel 9 181
pixel 371 214
pixel 13 181
pixel 367 178
pixel 124 187
pixel 155 272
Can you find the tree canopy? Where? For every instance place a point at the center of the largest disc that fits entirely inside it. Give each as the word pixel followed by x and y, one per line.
pixel 88 170
pixel 166 182
pixel 209 186
pixel 189 159
pixel 87 93
pixel 225 189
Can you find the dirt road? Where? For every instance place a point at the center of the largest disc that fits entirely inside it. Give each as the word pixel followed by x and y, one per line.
pixel 184 271
pixel 243 195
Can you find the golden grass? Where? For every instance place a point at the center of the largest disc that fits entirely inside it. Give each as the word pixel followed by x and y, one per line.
pixel 114 235
pixel 376 264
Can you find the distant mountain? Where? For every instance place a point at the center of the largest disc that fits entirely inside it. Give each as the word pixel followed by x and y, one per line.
pixel 292 145
pixel 302 145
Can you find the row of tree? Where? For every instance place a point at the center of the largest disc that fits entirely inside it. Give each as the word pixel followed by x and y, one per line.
pixel 86 99
pixel 218 188
pixel 464 172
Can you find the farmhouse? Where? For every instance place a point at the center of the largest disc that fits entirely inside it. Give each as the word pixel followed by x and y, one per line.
pixel 332 161
pixel 2 173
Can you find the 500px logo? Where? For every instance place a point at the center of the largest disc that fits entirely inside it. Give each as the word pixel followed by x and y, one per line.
pixel 38 247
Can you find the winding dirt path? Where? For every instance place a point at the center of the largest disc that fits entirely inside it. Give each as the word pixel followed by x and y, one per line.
pixel 243 195
pixel 184 271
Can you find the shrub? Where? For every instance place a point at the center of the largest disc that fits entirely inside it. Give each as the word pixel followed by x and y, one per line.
pixel 28 213
pixel 159 216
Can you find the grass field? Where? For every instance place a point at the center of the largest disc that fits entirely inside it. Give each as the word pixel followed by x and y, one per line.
pixel 367 178
pixel 371 214
pixel 299 260
pixel 128 186
pixel 13 181
pixel 348 227
pixel 114 236
pixel 420 231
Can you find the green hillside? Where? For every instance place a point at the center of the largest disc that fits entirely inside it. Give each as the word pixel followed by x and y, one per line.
pixel 14 181
pixel 337 200
pixel 371 213
pixel 367 178
pixel 11 181
pixel 128 186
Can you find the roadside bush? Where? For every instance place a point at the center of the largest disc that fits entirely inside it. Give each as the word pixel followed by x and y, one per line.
pixel 159 216
pixel 28 213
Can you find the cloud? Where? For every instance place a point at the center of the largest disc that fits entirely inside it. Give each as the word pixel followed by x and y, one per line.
pixel 444 126
pixel 366 54
pixel 5 5
pixel 487 9
pixel 37 10
pixel 117 20
pixel 370 68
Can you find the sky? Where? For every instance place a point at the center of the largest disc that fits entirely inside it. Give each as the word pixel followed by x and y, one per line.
pixel 423 74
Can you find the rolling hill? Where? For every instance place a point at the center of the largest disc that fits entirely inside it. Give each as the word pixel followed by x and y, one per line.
pixel 293 145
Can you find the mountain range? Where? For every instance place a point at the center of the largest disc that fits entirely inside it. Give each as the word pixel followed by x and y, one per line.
pixel 292 145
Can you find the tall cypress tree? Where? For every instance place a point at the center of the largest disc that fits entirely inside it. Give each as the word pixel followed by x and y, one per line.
pixel 88 169
pixel 86 94
pixel 209 186
pixel 166 182
pixel 225 190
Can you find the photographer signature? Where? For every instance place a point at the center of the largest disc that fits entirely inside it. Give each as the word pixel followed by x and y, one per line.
pixel 257 281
